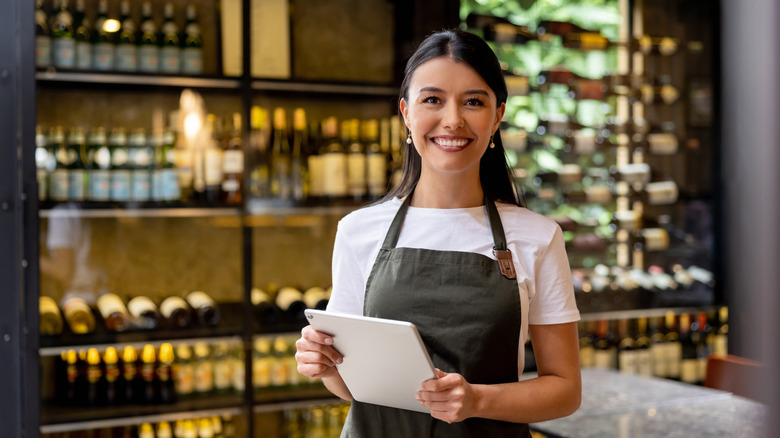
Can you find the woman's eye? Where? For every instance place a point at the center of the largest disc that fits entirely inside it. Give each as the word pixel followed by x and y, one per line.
pixel 474 102
pixel 431 99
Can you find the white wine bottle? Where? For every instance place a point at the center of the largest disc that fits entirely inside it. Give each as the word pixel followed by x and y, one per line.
pixel 206 310
pixel 78 315
pixel 50 317
pixel 290 301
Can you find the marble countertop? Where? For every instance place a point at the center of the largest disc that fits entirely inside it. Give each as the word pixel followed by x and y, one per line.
pixel 629 406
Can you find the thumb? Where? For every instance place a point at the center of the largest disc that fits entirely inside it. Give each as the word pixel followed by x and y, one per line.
pixel 440 373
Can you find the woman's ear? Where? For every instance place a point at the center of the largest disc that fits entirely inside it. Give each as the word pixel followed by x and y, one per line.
pixel 499 116
pixel 404 109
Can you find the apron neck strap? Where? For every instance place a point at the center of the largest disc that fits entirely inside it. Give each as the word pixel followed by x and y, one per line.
pixel 499 238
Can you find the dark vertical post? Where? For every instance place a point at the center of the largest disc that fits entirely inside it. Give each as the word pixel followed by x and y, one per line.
pixel 751 51
pixel 19 411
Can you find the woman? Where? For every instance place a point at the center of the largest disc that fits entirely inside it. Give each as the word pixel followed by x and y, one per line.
pixel 428 254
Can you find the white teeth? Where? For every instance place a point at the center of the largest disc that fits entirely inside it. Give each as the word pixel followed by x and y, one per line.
pixel 451 143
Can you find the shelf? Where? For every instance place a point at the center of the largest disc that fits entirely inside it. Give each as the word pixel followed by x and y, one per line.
pixel 229 328
pixel 134 210
pixel 56 418
pixel 124 79
pixel 274 399
pixel 641 313
pixel 326 88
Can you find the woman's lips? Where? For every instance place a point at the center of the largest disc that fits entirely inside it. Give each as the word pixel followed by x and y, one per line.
pixel 451 144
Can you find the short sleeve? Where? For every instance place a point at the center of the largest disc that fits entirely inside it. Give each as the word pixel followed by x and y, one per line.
pixel 348 283
pixel 553 302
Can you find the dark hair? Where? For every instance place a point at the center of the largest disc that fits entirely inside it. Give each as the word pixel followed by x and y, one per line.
pixel 461 46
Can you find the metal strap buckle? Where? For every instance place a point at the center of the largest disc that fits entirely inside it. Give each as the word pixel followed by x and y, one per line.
pixel 504 257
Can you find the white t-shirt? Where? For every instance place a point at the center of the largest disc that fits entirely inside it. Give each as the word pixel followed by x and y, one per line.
pixel 538 252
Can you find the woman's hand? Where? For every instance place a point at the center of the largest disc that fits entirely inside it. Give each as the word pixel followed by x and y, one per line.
pixel 315 354
pixel 450 397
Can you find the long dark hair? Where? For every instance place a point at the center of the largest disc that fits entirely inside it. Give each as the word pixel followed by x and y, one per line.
pixel 461 46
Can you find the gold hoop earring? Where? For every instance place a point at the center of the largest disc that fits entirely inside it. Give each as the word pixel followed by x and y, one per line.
pixel 409 137
pixel 492 145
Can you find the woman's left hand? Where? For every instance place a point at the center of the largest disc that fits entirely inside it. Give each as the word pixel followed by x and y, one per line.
pixel 450 397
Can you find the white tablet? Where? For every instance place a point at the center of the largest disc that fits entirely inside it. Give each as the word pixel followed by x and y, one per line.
pixel 385 360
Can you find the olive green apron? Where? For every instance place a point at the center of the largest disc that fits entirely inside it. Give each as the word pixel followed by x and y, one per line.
pixel 466 307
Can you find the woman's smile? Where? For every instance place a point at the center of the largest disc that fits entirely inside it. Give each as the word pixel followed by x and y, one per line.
pixel 451 144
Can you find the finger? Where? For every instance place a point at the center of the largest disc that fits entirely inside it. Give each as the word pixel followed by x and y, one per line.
pixel 333 356
pixel 312 335
pixel 440 373
pixel 443 383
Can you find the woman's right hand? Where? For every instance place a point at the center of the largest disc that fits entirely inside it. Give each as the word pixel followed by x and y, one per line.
pixel 315 354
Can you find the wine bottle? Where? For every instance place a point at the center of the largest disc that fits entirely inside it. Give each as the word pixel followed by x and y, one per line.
pixel 280 372
pixel 316 298
pixel 78 315
pixel 644 360
pixel 334 162
pixel 674 347
pixel 238 367
pixel 605 354
pixel 290 301
pixel 176 312
pixel 72 384
pixel 664 46
pixel 77 178
pixel 233 164
pixel 148 49
pixel 95 384
pixel 130 382
pixel 183 371
pixel 148 393
pixel 44 163
pixel 50 317
pixel 145 430
pixel 192 53
pixel 170 46
pixel 144 313
pixel 261 363
pixel 204 369
pixel 164 430
pixel 206 310
pixel 166 392
pixel 499 30
pixel 141 159
pixel 114 313
pixel 720 341
pixel 281 154
pixel 126 50
pixel 626 349
pixel 58 177
pixel 83 37
pixel 299 175
pixel 689 360
pixel 223 381
pixel 265 309
pixel 376 161
pixel 259 153
pixel 586 345
pixel 356 161
pixel 104 39
pixel 42 36
pixel 120 169
pixel 98 166
pixel 212 163
pixel 62 37
pixel 112 376
pixel 314 164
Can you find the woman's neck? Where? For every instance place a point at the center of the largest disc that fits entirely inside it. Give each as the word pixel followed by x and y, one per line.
pixel 456 192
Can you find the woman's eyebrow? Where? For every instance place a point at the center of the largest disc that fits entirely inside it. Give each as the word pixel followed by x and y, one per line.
pixel 439 90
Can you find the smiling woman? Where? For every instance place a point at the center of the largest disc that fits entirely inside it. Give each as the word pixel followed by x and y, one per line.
pixel 452 250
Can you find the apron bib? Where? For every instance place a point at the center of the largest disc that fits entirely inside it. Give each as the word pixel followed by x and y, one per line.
pixel 467 310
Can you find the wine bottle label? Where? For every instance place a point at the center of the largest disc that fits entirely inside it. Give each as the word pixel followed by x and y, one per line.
pixel 129 371
pixel 140 305
pixel 356 174
pixel 112 373
pixel 74 305
pixel 656 239
pixel 627 362
pixel 42 51
pixel 212 173
pixel 171 304
pixel 604 359
pixel 83 55
pixel 644 362
pixel 584 143
pixel 659 360
pixel 598 194
pixel 99 185
pixel 76 184
pixel 720 344
pixel 587 358
pixel 126 57
pixel 569 174
pixel 222 374
pixel 662 143
pixel 192 61
pixel 377 174
pixel 204 376
pixel 64 52
pixel 170 59
pixel 635 173
pixel 103 56
pixel 233 161
pixel 184 375
pixel 261 372
pixel 279 373
pixel 47 305
pixel 287 296
pixel 689 370
pixel 109 304
pixel 293 376
pixel 141 185
pixel 316 176
pixel 58 185
pixel 149 58
pixel 334 174
pixel 200 299
pixel 120 185
pixel 163 373
pixel 238 374
pixel 674 356
pixel 147 372
pixel 626 219
pixel 662 192
pixel 93 373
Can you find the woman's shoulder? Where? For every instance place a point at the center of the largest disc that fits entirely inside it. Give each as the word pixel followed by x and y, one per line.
pixel 366 217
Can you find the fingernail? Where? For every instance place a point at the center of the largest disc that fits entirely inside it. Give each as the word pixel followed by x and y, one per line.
pixel 328 341
pixel 339 360
pixel 417 397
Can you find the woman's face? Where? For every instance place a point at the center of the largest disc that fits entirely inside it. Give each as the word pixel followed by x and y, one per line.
pixel 451 112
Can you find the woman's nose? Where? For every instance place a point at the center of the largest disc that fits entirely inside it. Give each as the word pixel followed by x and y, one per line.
pixel 452 118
